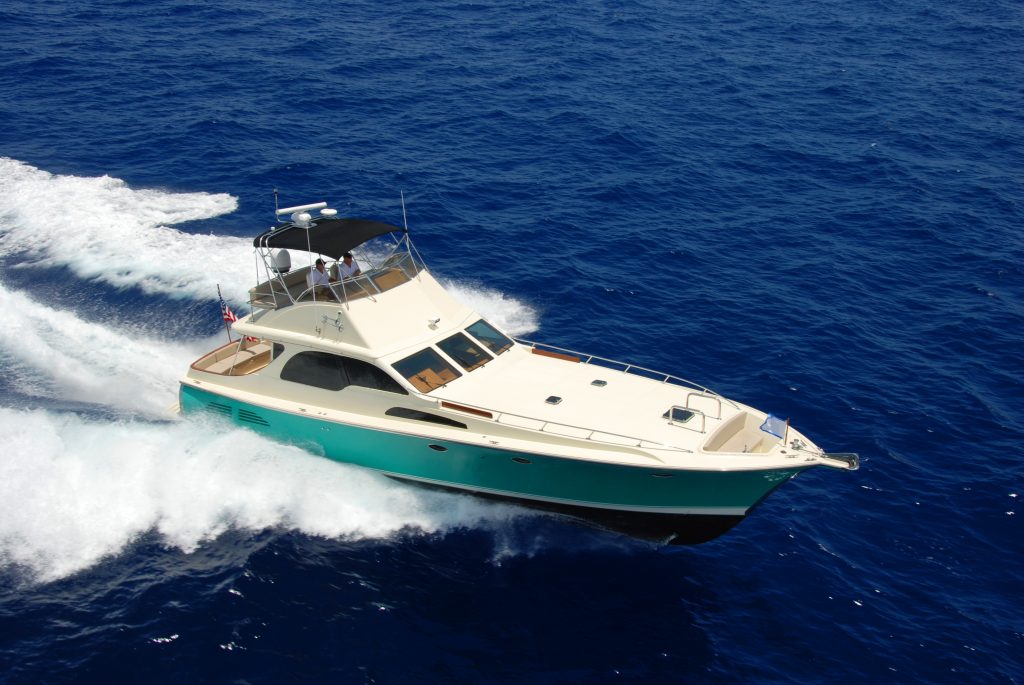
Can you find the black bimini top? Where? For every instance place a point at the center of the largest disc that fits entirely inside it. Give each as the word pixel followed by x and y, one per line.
pixel 331 237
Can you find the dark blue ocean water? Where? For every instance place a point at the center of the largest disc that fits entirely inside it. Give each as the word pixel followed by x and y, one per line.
pixel 813 207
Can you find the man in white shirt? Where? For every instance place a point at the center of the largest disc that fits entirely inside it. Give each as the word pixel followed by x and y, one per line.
pixel 319 280
pixel 348 267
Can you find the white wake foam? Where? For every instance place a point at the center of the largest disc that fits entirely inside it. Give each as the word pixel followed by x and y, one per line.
pixel 100 228
pixel 55 354
pixel 74 491
pixel 511 315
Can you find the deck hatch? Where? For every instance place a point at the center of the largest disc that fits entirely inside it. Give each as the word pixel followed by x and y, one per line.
pixel 678 415
pixel 554 399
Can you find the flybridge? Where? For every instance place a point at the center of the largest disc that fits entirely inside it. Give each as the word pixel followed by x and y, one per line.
pixel 330 237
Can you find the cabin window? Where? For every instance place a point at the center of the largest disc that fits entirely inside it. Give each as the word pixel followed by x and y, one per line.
pixel 366 375
pixel 278 349
pixel 319 369
pixel 426 370
pixel 417 415
pixel 490 336
pixel 332 372
pixel 467 353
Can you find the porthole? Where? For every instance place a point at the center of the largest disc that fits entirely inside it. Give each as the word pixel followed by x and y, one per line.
pixel 438 448
pixel 521 460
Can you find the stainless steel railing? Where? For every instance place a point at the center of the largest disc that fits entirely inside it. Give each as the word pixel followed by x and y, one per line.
pixel 626 367
pixel 549 426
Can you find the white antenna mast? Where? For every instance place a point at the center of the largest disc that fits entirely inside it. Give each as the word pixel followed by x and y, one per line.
pixel 405 221
pixel 408 241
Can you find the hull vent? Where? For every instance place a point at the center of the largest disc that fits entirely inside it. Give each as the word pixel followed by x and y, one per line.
pixel 219 408
pixel 250 417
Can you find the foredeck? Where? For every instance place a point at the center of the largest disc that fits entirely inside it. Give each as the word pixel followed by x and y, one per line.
pixel 557 393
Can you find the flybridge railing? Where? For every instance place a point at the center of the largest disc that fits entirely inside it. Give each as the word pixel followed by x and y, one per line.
pixel 624 367
pixel 284 289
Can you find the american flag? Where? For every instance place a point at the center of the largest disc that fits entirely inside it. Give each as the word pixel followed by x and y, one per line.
pixel 229 316
pixel 225 311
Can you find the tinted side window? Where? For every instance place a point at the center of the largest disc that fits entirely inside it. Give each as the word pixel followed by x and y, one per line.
pixel 319 369
pixel 367 375
pixel 278 349
pixel 415 414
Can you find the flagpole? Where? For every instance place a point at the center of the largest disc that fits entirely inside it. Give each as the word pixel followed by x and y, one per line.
pixel 223 313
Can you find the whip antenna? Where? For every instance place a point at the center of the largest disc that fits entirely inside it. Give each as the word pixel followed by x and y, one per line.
pixel 405 222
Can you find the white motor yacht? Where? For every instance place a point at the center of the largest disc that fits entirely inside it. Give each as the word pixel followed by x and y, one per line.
pixel 388 371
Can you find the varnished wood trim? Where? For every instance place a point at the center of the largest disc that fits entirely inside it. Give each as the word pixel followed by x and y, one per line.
pixel 556 355
pixel 468 410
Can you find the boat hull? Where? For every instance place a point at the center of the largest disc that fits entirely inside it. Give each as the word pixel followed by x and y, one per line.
pixel 668 505
pixel 667 529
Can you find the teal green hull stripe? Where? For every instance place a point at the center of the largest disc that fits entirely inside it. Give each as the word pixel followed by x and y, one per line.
pixel 476 467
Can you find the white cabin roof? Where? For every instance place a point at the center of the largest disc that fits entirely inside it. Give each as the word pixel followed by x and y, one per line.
pixel 409 315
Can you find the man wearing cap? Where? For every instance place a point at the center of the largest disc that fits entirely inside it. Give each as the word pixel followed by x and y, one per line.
pixel 320 281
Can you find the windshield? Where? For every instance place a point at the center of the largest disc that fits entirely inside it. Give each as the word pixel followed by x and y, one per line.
pixel 426 370
pixel 467 353
pixel 493 339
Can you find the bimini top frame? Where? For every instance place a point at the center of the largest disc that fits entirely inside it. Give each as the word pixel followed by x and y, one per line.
pixel 331 237
pixel 326 234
